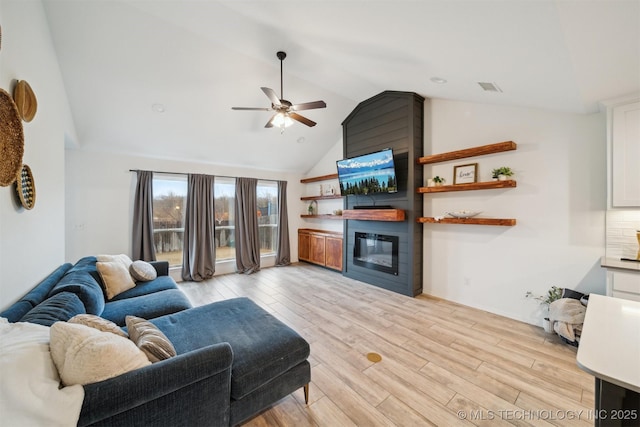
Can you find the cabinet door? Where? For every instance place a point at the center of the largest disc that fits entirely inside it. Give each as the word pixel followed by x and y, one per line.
pixel 317 251
pixel 304 244
pixel 333 254
pixel 624 284
pixel 625 152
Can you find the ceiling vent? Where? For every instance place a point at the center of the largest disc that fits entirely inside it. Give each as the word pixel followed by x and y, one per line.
pixel 489 87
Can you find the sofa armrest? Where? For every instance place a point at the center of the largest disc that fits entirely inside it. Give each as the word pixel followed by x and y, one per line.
pixel 162 267
pixel 189 389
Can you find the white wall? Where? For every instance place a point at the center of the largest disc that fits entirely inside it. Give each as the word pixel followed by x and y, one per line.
pixel 326 166
pixel 99 202
pixel 559 204
pixel 32 241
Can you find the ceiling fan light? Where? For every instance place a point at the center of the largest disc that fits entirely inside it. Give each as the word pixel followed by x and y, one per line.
pixel 281 120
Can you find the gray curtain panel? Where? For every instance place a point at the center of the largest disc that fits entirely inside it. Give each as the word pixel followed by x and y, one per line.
pixel 199 252
pixel 246 226
pixel 142 230
pixel 283 255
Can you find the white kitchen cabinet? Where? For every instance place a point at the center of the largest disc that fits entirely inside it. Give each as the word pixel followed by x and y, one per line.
pixel 623 284
pixel 623 123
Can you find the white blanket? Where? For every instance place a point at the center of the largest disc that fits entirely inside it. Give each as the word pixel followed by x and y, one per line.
pixel 29 382
pixel 566 314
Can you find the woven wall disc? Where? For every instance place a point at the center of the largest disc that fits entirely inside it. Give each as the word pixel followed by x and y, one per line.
pixel 25 100
pixel 11 140
pixel 26 187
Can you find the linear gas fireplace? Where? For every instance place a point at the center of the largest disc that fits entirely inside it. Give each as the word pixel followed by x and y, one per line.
pixel 376 251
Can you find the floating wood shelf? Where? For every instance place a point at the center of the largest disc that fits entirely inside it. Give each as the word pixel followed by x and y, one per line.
pixel 333 196
pixel 374 214
pixel 324 216
pixel 468 187
pixel 469 152
pixel 477 221
pixel 319 178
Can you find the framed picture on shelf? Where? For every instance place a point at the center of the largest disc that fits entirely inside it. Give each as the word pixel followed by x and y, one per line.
pixel 465 174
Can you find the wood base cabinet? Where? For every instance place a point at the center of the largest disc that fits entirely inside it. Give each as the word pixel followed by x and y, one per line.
pixel 320 247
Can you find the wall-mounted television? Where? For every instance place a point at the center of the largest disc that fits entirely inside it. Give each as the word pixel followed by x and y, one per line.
pixel 368 174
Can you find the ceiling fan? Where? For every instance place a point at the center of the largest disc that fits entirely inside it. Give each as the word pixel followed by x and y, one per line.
pixel 285 111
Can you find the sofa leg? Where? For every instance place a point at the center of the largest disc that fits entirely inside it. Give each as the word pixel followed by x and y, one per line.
pixel 306 394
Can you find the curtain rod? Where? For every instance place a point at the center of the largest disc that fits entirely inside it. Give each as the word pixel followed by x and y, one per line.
pixel 187 173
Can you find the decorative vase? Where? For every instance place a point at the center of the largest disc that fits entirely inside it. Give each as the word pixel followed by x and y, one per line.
pixel 547 325
pixel 502 177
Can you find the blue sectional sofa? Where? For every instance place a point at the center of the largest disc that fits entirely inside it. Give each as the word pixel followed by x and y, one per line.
pixel 233 358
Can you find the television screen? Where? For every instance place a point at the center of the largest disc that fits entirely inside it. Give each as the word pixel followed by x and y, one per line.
pixel 368 174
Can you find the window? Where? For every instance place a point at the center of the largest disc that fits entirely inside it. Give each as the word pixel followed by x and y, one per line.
pixel 224 191
pixel 267 198
pixel 169 198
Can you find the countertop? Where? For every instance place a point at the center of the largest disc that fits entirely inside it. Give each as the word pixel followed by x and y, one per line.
pixel 617 263
pixel 610 341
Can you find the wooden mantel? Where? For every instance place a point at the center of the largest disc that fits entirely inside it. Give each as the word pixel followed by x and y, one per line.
pixel 374 214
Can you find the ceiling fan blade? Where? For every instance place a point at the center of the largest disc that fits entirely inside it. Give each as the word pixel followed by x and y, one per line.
pixel 302 119
pixel 308 106
pixel 271 95
pixel 251 108
pixel 269 123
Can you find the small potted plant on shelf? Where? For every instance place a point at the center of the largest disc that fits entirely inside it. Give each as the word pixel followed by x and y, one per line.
pixel 554 293
pixel 501 173
pixel 437 181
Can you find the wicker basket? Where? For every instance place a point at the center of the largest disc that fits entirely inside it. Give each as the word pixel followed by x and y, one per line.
pixel 11 140
pixel 26 187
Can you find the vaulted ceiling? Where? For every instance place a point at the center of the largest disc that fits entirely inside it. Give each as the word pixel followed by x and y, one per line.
pixel 198 58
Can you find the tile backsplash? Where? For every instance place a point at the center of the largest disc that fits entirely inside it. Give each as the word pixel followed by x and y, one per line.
pixel 622 226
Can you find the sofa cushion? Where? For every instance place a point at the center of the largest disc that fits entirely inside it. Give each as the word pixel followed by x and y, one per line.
pixel 34 297
pixel 142 271
pixel 30 393
pixel 263 347
pixel 146 306
pixel 60 307
pixel 162 283
pixel 85 355
pixel 115 277
pixel 82 283
pixel 98 323
pixel 149 339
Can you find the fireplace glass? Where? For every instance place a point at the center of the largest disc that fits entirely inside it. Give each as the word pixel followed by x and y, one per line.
pixel 377 252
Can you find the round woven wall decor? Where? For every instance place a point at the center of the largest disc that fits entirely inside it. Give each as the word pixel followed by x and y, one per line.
pixel 25 100
pixel 11 140
pixel 26 187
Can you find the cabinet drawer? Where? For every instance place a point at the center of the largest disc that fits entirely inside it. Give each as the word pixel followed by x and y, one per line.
pixel 626 282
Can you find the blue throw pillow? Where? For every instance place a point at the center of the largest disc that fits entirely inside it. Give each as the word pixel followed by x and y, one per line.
pixel 85 286
pixel 60 307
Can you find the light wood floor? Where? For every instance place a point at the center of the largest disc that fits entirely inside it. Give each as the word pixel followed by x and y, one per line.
pixel 442 364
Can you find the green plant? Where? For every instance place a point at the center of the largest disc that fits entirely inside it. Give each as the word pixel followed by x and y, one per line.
pixel 438 180
pixel 554 293
pixel 503 170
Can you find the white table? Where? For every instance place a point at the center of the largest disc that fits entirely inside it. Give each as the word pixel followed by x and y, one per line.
pixel 610 351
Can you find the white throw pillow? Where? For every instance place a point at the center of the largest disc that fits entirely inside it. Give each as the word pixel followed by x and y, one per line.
pixel 30 393
pixel 85 355
pixel 123 258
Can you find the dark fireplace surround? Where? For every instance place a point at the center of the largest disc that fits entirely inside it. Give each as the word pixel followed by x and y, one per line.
pixel 388 120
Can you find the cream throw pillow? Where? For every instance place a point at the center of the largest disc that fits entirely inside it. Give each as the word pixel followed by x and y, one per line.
pixel 149 339
pixel 115 277
pixel 123 258
pixel 85 355
pixel 98 323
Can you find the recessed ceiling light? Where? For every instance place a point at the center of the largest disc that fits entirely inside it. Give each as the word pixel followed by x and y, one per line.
pixel 158 108
pixel 301 140
pixel 438 80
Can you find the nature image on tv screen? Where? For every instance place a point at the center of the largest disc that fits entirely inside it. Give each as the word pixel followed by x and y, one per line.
pixel 368 174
